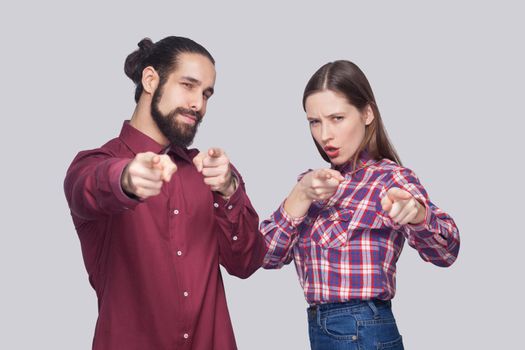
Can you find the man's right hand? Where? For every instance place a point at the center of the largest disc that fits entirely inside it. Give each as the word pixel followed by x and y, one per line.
pixel 144 175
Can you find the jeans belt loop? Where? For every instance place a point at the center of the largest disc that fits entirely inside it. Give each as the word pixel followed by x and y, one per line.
pixel 318 314
pixel 373 308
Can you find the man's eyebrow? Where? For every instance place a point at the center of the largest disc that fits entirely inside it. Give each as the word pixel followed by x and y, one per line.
pixel 192 80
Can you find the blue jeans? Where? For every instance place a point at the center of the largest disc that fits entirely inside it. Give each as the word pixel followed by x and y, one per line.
pixel 357 324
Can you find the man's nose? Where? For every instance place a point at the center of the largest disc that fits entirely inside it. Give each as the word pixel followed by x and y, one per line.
pixel 197 101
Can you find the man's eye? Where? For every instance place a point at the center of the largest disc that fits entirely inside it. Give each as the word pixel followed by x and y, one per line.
pixel 188 85
pixel 313 122
pixel 338 118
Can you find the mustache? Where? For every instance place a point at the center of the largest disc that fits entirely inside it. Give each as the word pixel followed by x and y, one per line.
pixel 182 110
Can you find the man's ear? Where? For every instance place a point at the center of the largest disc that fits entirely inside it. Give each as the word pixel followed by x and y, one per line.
pixel 150 80
pixel 368 115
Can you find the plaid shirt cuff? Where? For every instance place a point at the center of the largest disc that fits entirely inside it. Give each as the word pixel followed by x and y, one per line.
pixel 423 225
pixel 283 219
pixel 424 229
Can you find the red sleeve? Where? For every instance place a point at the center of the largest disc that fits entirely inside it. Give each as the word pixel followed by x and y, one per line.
pixel 92 185
pixel 241 246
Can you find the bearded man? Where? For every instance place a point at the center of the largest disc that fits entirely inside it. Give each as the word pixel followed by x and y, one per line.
pixel 155 219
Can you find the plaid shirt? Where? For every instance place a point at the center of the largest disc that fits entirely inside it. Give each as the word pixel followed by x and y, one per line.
pixel 347 247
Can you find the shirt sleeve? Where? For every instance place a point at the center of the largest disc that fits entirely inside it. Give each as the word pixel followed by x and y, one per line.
pixel 92 185
pixel 437 237
pixel 241 246
pixel 280 234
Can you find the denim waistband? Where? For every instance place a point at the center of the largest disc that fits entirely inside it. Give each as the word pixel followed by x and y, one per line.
pixel 314 309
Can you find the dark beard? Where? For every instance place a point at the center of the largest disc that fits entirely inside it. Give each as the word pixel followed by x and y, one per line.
pixel 178 133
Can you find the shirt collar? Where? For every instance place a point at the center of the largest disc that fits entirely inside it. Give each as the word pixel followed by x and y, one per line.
pixel 184 153
pixel 364 158
pixel 138 142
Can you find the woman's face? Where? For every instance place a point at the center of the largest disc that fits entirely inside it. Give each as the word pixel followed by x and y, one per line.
pixel 336 125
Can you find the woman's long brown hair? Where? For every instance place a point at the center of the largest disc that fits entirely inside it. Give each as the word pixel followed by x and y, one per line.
pixel 346 78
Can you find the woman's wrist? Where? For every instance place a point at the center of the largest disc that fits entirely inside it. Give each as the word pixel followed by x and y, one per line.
pixel 297 203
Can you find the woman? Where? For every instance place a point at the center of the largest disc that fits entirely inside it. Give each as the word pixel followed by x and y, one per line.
pixel 345 226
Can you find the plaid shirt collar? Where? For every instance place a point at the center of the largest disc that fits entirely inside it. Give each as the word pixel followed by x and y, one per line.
pixel 348 167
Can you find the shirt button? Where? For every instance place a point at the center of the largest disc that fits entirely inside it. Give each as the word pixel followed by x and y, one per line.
pixel 230 207
pixel 186 294
pixel 176 211
pixel 216 205
pixel 186 335
pixel 179 253
pixel 235 238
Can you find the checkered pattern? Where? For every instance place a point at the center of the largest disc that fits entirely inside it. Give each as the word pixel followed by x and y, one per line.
pixel 347 246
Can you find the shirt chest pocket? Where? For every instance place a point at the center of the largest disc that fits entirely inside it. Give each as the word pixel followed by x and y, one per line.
pixel 332 227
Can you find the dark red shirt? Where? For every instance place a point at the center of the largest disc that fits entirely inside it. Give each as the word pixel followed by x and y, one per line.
pixel 154 264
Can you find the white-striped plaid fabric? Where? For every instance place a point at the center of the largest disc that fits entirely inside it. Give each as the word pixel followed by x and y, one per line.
pixel 347 247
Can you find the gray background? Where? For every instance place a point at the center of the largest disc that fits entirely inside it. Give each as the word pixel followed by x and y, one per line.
pixel 448 78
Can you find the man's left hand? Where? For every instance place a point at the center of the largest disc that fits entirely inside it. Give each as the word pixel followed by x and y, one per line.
pixel 215 167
